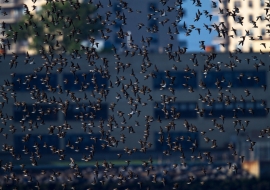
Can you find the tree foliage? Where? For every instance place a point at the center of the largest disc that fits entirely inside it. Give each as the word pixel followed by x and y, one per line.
pixel 58 25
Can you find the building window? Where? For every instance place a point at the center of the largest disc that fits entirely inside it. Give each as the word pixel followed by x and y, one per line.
pixel 154 38
pixel 153 23
pixel 23 11
pixel 35 113
pixel 30 81
pixel 116 7
pixel 218 106
pixel 238 17
pixel 238 32
pixel 92 111
pixel 38 9
pixel 78 82
pixel 237 4
pixel 251 32
pixel 85 140
pixel 263 32
pixel 262 3
pixel 176 81
pixel 185 145
pixel 233 108
pixel 250 4
pixel 117 24
pixel 117 40
pixel 152 7
pixel 249 105
pixel 250 17
pixel 186 110
pixel 22 146
pixel 15 13
pixel 212 77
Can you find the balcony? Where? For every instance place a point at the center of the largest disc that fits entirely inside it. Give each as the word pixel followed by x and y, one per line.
pixel 11 3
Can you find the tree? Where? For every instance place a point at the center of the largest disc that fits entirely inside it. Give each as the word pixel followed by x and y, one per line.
pixel 57 26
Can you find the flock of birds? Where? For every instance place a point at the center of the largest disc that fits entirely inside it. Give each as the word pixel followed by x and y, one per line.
pixel 53 59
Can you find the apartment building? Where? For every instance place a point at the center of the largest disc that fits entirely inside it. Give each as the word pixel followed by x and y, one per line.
pixel 11 12
pixel 243 19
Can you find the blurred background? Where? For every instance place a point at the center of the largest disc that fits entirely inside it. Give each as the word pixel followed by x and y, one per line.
pixel 191 28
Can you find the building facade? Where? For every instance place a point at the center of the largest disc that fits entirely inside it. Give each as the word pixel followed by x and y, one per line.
pixel 243 20
pixel 88 112
pixel 11 12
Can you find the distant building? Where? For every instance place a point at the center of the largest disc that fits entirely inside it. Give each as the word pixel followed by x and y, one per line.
pixel 145 19
pixel 258 168
pixel 235 12
pixel 261 149
pixel 199 114
pixel 11 11
pixel 145 14
pixel 37 3
pixel 185 13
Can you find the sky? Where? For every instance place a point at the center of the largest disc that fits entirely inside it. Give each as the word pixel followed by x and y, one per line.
pixel 194 38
